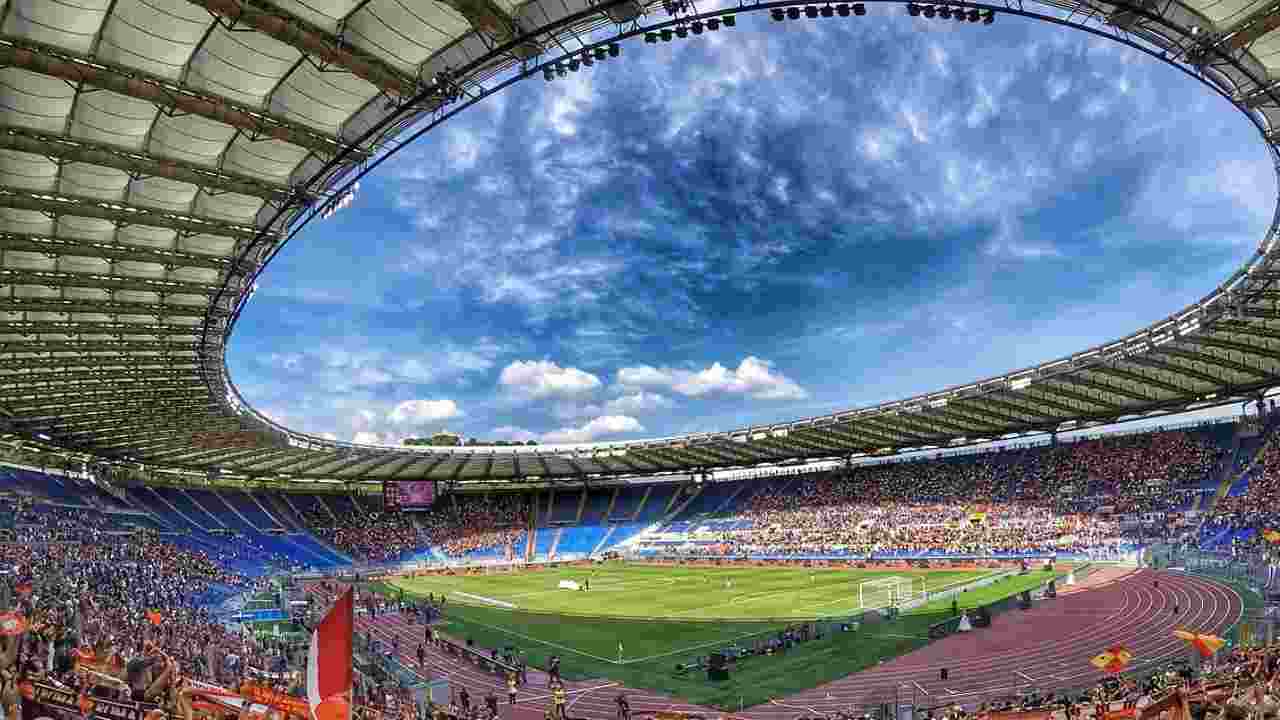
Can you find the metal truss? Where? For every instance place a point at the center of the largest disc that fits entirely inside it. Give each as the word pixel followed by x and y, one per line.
pixel 170 97
pixel 53 203
pixel 65 247
pixel 138 165
pixel 101 307
pixel 56 278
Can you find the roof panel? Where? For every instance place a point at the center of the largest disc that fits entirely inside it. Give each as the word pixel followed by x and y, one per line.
pixel 402 36
pixel 242 66
pixel 269 159
pixel 35 101
pixel 154 36
pixel 105 117
pixel 26 171
pixel 57 23
pixel 190 138
pixel 93 181
pixel 321 100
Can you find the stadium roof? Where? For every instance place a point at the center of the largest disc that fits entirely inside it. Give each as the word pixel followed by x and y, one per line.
pixel 147 177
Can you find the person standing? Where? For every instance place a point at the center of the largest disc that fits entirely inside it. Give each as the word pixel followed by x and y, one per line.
pixel 624 707
pixel 557 694
pixel 511 687
pixel 491 702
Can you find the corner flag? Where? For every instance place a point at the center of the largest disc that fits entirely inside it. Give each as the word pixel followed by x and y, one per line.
pixel 329 663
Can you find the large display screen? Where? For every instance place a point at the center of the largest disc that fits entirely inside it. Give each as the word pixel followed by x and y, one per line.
pixel 416 494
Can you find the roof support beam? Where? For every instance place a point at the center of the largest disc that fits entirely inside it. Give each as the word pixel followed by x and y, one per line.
pixel 488 17
pixel 907 420
pixel 87 390
pixel 90 346
pixel 1251 28
pixel 964 409
pixel 1242 348
pixel 879 432
pixel 291 455
pixel 99 307
pixel 817 443
pixel 1079 381
pixel 97 423
pixel 129 375
pixel 305 464
pixel 1140 378
pixel 65 149
pixel 63 247
pixel 1246 328
pixel 55 203
pixel 163 94
pixel 82 362
pixel 859 441
pixel 114 409
pixel 438 460
pixel 50 278
pixel 185 455
pixel 312 41
pixel 1148 361
pixel 87 399
pixel 115 329
pixel 1065 409
pixel 390 458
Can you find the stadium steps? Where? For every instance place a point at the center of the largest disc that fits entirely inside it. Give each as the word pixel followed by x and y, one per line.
pixel 604 540
pixel 729 501
pixel 640 508
pixel 555 544
pixel 582 505
pixel 613 500
pixel 697 491
pixel 327 506
pixel 1229 475
pixel 275 521
pixel 237 512
pixel 178 512
pixel 532 537
pixel 196 504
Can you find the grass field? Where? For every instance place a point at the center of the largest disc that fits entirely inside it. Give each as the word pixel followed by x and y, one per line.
pixel 637 622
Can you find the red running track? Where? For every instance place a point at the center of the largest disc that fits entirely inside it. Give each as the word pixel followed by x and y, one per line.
pixel 1047 648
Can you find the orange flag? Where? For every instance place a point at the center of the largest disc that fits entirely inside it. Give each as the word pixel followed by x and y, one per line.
pixel 1206 645
pixel 155 617
pixel 1114 660
pixel 12 623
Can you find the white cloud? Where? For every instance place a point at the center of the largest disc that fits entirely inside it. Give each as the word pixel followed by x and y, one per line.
pixel 536 379
pixel 753 377
pixel 422 412
pixel 638 402
pixel 599 427
pixel 510 432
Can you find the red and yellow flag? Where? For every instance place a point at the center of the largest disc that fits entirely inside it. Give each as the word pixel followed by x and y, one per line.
pixel 1271 535
pixel 155 617
pixel 1114 660
pixel 1206 645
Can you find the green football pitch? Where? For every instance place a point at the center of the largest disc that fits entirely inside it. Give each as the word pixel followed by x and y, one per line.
pixel 637 622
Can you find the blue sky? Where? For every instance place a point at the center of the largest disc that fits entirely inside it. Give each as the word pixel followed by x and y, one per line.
pixel 755 225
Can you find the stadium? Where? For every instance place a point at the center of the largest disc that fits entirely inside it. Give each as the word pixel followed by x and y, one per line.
pixel 1063 540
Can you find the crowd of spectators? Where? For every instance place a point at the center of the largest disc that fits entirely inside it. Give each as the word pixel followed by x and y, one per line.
pixel 130 608
pixel 1023 500
pixel 470 523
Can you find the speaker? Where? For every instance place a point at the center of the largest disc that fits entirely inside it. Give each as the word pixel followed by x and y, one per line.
pixel 942 674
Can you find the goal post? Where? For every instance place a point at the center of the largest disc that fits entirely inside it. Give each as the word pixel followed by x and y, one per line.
pixel 892 591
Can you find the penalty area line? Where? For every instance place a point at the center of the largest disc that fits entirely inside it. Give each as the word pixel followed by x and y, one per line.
pixel 522 636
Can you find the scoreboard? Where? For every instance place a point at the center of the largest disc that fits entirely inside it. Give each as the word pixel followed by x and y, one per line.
pixel 408 495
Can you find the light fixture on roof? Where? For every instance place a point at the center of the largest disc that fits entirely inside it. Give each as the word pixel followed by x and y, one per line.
pixel 666 34
pixel 944 12
pixel 828 11
pixel 988 17
pixel 974 15
pixel 793 13
pixel 573 65
pixel 859 9
pixel 729 21
pixel 811 12
pixel 651 38
pixel 713 24
pixel 682 32
pixel 601 53
pixel 842 10
pixel 614 50
pixel 560 70
pixel 42 436
pixel 586 60
pixel 913 10
pixel 696 26
pixel 777 14
pixel 930 12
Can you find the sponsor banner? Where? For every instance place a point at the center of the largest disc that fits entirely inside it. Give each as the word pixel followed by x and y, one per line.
pixel 41 702
pixel 259 615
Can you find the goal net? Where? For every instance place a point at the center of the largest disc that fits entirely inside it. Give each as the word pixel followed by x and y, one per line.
pixel 893 591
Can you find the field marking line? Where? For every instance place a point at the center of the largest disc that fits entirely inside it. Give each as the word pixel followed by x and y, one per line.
pixel 1028 677
pixel 541 642
pixel 950 586
pixel 486 600
pixel 584 694
pixel 579 692
pixel 723 641
pixel 953 692
pixel 920 688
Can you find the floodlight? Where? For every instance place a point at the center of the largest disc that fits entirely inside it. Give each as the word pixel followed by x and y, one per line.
pixel 614 50
pixel 793 13
pixel 859 9
pixel 973 15
pixel 842 10
pixel 730 21
pixel 587 61
pixel 777 14
pixel 827 11
pixel 666 34
pixel 560 70
pixel 713 24
pixel 944 12
pixel 651 38
pixel 929 11
pixel 989 18
pixel 573 65
pixel 547 74
pixel 682 32
pixel 913 10
pixel 696 26
pixel 811 12
pixel 958 14
pixel 600 53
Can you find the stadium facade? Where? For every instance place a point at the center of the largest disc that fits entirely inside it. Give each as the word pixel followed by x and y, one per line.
pixel 148 180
